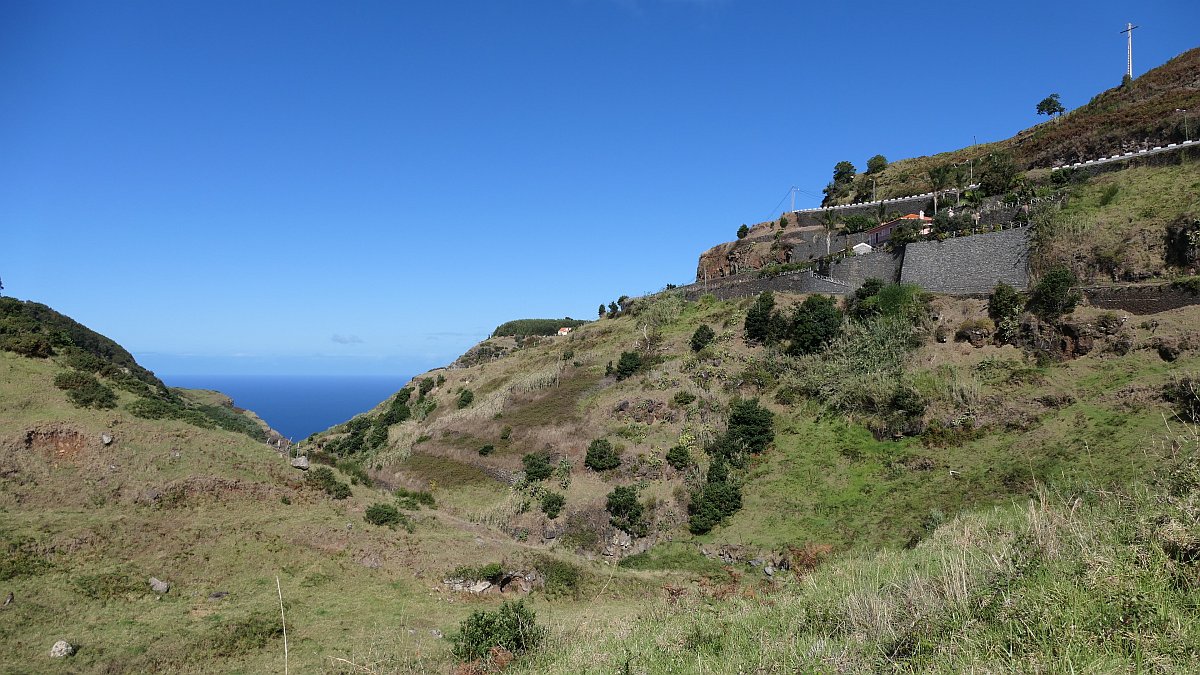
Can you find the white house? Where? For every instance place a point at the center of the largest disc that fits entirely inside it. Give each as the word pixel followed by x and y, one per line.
pixel 862 248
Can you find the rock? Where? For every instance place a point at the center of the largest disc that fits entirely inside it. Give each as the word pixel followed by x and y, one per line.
pixel 479 586
pixel 757 562
pixel 106 439
pixel 436 633
pixel 159 586
pixel 622 406
pixel 769 570
pixel 61 649
pixel 1168 349
pixel 217 595
pixel 300 463
pixel 151 496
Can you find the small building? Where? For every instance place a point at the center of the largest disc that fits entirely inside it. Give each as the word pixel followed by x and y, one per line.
pixel 862 248
pixel 564 330
pixel 880 234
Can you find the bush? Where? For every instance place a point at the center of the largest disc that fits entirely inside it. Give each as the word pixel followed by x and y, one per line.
pixel 486 450
pixel 413 499
pixel 743 231
pixel 356 472
pixel 1054 294
pixel 537 466
pixel 465 398
pixel 383 515
pixel 750 426
pixel 601 456
pixel 1004 309
pixel 814 324
pixel 629 364
pixel 85 390
pixel 562 579
pixel 626 511
pixel 702 337
pixel 758 325
pixel 512 627
pixel 682 398
pixel 714 502
pixel 1184 392
pixel 323 478
pixel 552 503
pixel 679 458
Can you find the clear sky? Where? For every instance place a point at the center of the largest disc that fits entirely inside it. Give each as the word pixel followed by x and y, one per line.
pixel 370 187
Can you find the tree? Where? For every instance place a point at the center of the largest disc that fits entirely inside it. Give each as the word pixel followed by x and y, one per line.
pixel 843 177
pixel 743 231
pixel 601 456
pixel 513 627
pixel 629 363
pixel 626 510
pixel 999 175
pixel 1054 295
pixel 783 221
pixel 750 426
pixel 876 164
pixel 829 220
pixel 813 325
pixel 1051 106
pixel 537 466
pixel 465 398
pixel 758 318
pixel 939 178
pixel 603 310
pixel 679 458
pixel 843 172
pixel 702 337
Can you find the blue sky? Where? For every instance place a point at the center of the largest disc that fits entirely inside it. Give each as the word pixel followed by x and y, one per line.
pixel 371 187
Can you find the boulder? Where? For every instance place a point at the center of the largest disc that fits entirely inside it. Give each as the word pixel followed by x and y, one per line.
pixel 62 649
pixel 106 439
pixel 159 586
pixel 479 586
pixel 300 463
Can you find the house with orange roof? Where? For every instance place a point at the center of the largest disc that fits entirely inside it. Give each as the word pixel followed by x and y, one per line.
pixel 880 234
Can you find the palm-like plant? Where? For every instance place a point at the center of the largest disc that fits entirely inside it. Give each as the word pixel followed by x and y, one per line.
pixel 939 178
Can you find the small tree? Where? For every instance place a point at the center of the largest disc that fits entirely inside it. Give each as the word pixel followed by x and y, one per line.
pixel 626 510
pixel 758 318
pixel 537 466
pixel 384 515
pixel 783 222
pixel 814 324
pixel 1054 295
pixel 629 364
pixel 679 458
pixel 702 337
pixel 1004 307
pixel 512 627
pixel 876 164
pixel 750 426
pixel 602 311
pixel 743 231
pixel 601 456
pixel 1051 106
pixel 552 503
pixel 465 398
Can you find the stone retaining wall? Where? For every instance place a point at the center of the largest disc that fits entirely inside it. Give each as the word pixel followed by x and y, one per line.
pixel 1149 299
pixel 969 265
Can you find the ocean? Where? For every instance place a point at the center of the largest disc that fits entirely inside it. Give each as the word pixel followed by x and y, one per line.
pixel 297 405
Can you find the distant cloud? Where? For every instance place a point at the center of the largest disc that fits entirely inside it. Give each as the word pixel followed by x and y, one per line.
pixel 346 339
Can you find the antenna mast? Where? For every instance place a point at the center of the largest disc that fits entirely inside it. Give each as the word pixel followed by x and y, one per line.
pixel 1129 50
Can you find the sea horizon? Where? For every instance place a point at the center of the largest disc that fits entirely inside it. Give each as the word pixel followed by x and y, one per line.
pixel 298 406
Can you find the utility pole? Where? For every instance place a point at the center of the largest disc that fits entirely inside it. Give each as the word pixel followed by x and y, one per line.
pixel 1186 133
pixel 1129 50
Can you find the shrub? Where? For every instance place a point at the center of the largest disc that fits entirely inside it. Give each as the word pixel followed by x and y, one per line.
pixel 323 478
pixel 813 325
pixel 425 387
pixel 682 398
pixel 542 327
pixel 486 450
pixel 73 379
pixel 679 458
pixel 93 395
pixel 626 511
pixel 1054 295
pixel 513 627
pixel 712 503
pixel 601 456
pixel 1004 308
pixel 562 579
pixel 537 466
pixel 758 319
pixel 356 472
pixel 743 231
pixel 465 398
pixel 250 634
pixel 750 426
pixel 1184 392
pixel 552 503
pixel 702 337
pixel 506 433
pixel 383 515
pixel 629 364
pixel 413 499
